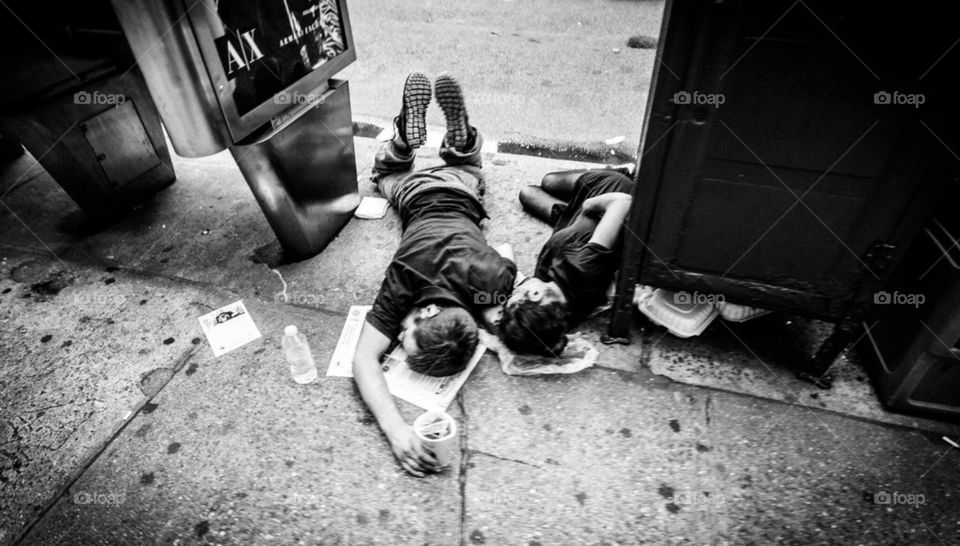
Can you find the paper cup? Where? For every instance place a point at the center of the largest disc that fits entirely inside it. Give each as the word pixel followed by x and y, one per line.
pixel 438 432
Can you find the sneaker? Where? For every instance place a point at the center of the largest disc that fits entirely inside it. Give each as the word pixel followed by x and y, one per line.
pixel 450 99
pixel 412 121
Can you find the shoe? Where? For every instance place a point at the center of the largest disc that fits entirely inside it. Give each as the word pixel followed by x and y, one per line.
pixel 412 121
pixel 450 98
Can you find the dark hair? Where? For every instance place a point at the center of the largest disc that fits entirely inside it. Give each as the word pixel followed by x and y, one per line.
pixel 445 343
pixel 531 328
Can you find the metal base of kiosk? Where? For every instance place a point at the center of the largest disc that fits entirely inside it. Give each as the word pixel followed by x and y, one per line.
pixel 304 173
pixel 108 155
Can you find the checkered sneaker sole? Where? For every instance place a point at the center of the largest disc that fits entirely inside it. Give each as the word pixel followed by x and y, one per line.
pixel 450 99
pixel 416 98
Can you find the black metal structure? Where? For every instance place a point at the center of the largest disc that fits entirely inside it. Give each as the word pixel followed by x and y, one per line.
pixel 70 91
pixel 912 341
pixel 792 151
pixel 89 85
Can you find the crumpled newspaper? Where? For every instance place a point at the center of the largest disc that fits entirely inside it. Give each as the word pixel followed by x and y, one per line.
pixel 579 354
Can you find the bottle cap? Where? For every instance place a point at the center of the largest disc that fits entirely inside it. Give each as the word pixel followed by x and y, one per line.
pixel 290 330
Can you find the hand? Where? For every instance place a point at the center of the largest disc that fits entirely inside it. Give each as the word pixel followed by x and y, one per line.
pixel 409 451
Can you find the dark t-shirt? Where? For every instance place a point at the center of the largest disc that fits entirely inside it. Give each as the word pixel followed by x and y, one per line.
pixel 583 270
pixel 443 258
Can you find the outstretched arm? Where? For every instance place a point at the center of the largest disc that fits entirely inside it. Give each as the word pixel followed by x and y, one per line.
pixel 615 208
pixel 373 388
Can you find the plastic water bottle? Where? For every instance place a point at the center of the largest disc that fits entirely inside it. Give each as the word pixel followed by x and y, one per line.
pixel 297 352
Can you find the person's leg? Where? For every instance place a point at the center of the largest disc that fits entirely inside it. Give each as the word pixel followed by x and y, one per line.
pixel 550 200
pixel 541 204
pixel 391 167
pixel 462 142
pixel 562 184
pixel 395 158
pixel 461 145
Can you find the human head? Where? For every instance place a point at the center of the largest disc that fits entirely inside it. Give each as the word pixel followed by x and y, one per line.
pixel 439 341
pixel 535 319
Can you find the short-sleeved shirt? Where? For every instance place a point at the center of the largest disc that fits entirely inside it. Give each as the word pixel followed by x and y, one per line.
pixel 583 270
pixel 443 258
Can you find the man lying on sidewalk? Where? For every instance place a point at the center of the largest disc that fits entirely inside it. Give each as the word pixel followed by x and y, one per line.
pixel 576 266
pixel 443 268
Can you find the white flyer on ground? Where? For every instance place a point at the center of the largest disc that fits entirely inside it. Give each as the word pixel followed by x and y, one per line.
pixel 423 390
pixel 229 327
pixel 341 363
pixel 371 208
pixel 420 390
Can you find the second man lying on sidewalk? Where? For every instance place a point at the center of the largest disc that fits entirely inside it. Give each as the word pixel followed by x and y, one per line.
pixel 443 267
pixel 586 209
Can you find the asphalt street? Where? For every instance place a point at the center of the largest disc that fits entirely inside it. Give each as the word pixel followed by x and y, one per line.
pixel 548 72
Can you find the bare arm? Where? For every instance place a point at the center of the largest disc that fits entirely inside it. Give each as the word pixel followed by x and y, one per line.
pixel 600 202
pixel 373 389
pixel 608 230
pixel 370 381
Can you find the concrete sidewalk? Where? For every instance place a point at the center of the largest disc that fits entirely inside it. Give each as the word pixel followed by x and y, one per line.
pixel 119 426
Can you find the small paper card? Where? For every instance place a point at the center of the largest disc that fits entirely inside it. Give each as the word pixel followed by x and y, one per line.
pixel 229 327
pixel 371 208
pixel 341 364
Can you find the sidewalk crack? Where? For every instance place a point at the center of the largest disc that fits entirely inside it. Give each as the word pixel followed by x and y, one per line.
pixel 94 454
pixel 464 463
pixel 493 456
